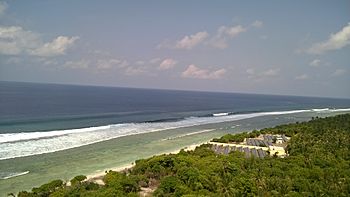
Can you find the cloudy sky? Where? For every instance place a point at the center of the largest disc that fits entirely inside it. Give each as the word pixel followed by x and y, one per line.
pixel 269 47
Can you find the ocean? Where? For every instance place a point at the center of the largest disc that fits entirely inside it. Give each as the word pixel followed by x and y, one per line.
pixel 52 131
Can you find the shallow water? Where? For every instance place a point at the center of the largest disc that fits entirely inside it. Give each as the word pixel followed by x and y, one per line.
pixel 104 155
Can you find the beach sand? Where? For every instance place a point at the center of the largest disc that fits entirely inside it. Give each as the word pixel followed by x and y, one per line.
pixel 118 154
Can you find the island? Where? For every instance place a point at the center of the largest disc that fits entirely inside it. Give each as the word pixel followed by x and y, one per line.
pixel 299 159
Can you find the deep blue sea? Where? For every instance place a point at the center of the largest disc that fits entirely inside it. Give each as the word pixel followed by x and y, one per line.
pixel 40 118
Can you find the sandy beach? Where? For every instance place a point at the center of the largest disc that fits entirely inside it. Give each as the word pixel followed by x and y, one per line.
pixel 120 153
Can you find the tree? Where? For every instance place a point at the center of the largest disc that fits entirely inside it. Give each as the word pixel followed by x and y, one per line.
pixel 78 179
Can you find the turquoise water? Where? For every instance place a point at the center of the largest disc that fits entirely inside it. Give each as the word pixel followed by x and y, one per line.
pixel 50 131
pixel 44 118
pixel 104 155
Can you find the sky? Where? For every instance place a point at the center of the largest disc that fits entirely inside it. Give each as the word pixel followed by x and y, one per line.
pixel 266 47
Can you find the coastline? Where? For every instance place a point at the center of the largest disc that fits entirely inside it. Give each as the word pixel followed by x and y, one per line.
pixel 98 176
pixel 181 172
pixel 118 154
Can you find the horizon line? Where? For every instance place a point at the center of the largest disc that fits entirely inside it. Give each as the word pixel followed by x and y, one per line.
pixel 165 89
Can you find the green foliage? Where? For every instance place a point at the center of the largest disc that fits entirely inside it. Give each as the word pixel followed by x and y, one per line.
pixel 44 190
pixel 231 138
pixel 239 137
pixel 168 185
pixel 81 189
pixel 122 182
pixel 318 165
pixel 78 179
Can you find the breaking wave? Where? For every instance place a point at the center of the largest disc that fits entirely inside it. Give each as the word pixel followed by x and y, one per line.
pixel 14 145
pixel 8 175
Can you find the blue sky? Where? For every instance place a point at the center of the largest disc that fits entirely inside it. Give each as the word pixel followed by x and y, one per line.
pixel 268 47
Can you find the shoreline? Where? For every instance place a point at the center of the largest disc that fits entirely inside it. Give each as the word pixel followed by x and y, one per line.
pixel 12 153
pixel 118 154
pixel 98 176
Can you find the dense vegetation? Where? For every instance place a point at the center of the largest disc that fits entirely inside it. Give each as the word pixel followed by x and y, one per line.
pixel 318 165
pixel 239 137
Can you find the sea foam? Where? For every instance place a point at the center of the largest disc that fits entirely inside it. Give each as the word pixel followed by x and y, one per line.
pixel 8 175
pixel 14 145
pixel 221 114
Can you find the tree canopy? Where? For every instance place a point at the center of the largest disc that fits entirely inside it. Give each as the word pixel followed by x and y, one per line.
pixel 318 165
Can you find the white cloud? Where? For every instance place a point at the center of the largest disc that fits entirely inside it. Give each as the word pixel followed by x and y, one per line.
pixel 193 71
pixel 50 62
pixel 96 64
pixel 220 39
pixel 338 72
pixel 224 34
pixel 270 72
pixel 81 64
pixel 104 64
pixel 57 47
pixel 46 62
pixel 188 42
pixel 257 24
pixel 315 63
pixel 302 77
pixel 231 31
pixel 253 74
pixel 167 64
pixel 134 71
pixel 335 41
pixel 14 40
pixel 3 7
